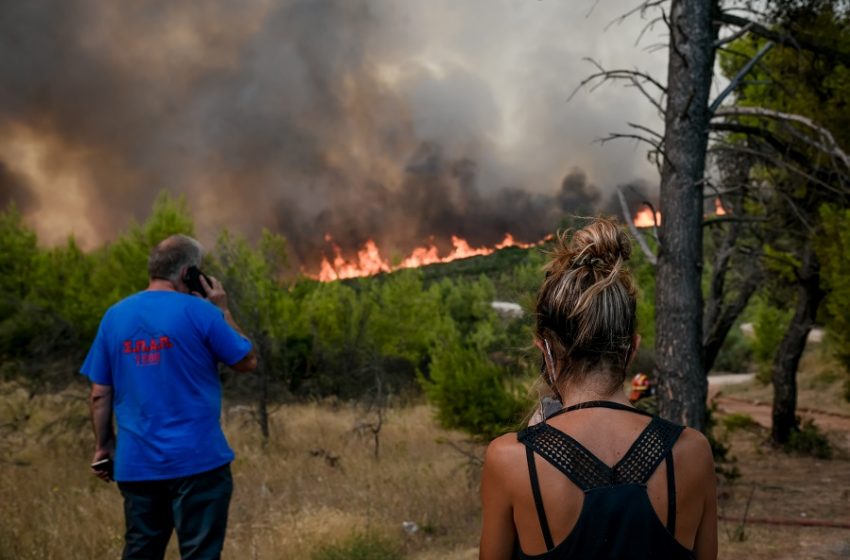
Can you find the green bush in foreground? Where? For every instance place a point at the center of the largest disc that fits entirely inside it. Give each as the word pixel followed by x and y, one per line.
pixel 361 546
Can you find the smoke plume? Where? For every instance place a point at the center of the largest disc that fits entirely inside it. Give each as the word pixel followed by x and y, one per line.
pixel 397 121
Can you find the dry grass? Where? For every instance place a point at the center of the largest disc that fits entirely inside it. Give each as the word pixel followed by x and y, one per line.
pixel 290 499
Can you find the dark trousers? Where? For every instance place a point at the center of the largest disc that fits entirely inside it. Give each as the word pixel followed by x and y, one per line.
pixel 196 506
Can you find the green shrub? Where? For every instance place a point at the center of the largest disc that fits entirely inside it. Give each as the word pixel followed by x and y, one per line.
pixel 644 274
pixel 738 421
pixel 825 378
pixel 470 392
pixel 832 249
pixel 770 325
pixel 724 464
pixel 361 546
pixel 735 354
pixel 807 439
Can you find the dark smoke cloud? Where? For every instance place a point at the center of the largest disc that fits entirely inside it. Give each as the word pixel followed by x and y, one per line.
pixel 14 191
pixel 306 116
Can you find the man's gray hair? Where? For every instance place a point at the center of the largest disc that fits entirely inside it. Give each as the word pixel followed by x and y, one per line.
pixel 170 255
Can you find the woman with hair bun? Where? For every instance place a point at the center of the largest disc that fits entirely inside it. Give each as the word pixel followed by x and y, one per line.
pixel 597 478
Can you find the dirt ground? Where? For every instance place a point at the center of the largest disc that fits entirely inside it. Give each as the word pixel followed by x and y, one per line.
pixel 786 488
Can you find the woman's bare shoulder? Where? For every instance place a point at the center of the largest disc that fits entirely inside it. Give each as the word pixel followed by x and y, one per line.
pixel 504 446
pixel 504 453
pixel 693 449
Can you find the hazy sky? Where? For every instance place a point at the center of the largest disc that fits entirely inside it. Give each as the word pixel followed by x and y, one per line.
pixel 392 119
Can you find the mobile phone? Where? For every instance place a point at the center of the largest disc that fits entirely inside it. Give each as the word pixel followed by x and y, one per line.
pixel 192 279
pixel 103 466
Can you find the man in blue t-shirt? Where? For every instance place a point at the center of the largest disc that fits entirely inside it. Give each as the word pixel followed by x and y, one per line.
pixel 154 363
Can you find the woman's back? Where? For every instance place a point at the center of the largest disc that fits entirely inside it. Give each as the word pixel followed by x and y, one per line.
pixel 593 482
pixel 602 476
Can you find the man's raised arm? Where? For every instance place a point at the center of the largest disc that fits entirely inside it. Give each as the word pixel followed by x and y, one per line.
pixel 218 297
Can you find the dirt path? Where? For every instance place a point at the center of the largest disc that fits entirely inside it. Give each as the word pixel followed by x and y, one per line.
pixel 835 423
pixel 761 412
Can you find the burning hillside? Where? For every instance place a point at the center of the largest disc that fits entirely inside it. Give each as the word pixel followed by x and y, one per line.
pixel 369 260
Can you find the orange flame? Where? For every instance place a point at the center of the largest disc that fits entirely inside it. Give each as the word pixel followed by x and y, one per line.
pixel 369 261
pixel 643 219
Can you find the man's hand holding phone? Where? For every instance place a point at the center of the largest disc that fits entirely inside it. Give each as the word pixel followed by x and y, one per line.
pixel 215 292
pixel 103 469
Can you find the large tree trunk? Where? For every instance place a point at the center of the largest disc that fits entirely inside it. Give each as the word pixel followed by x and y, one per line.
pixel 681 380
pixel 809 297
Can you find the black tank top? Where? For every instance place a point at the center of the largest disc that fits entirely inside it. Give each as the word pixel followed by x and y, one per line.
pixel 617 519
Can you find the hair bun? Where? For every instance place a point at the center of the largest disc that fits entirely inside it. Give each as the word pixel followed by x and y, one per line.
pixel 601 245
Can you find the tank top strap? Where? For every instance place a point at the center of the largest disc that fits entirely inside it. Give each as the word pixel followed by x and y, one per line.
pixel 598 404
pixel 671 494
pixel 651 447
pixel 567 455
pixel 538 500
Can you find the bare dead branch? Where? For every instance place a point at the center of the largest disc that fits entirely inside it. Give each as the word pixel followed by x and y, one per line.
pixel 644 246
pixel 740 76
pixel 642 8
pixel 626 136
pixel 781 164
pixel 654 48
pixel 767 136
pixel 836 157
pixel 635 77
pixel 648 27
pixel 646 129
pixel 747 9
pixel 798 42
pixel 775 79
pixel 593 7
pixel 471 456
pixel 733 37
pixel 655 103
pixel 829 146
pixel 797 211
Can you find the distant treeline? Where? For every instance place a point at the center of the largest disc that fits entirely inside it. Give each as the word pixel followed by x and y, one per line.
pixel 395 334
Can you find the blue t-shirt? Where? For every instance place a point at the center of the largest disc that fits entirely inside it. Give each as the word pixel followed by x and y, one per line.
pixel 159 350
